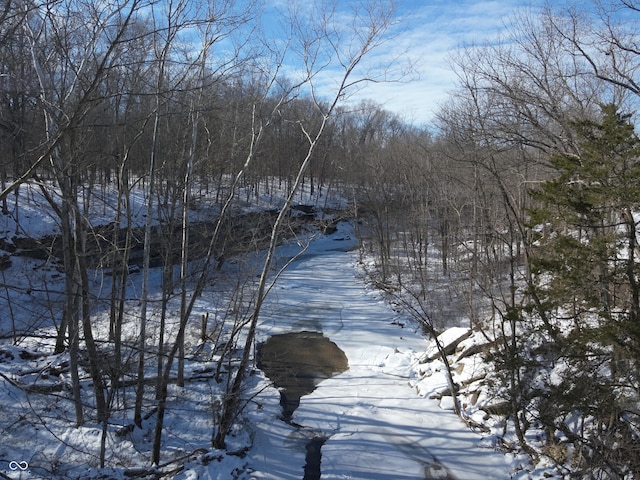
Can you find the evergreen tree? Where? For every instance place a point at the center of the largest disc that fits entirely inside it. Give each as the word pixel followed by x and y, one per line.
pixel 584 275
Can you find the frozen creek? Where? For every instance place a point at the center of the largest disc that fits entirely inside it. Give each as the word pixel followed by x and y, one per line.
pixel 376 425
pixel 297 362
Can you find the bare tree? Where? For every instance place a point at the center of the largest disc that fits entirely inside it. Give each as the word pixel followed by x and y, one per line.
pixel 322 43
pixel 224 23
pixel 519 107
pixel 70 59
pixel 605 39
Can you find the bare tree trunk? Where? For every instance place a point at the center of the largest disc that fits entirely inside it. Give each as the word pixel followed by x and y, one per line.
pixel 164 379
pixel 365 38
pixel 184 251
pixel 120 269
pixel 142 346
pixel 72 310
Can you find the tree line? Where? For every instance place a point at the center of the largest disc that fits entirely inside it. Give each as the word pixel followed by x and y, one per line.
pixel 184 103
pixel 517 209
pixel 519 212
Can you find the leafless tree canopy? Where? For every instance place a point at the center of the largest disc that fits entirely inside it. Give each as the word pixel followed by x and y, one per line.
pixel 515 213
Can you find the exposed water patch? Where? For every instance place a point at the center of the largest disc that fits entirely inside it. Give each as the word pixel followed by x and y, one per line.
pixel 296 362
pixel 312 468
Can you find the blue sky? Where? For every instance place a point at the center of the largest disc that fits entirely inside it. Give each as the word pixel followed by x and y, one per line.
pixel 430 31
pixel 427 33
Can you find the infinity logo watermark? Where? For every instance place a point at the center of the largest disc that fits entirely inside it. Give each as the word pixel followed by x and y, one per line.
pixel 13 465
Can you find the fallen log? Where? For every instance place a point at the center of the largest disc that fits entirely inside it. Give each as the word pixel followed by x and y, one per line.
pixel 475 349
pixel 122 431
pixel 168 469
pixel 501 409
pixel 448 342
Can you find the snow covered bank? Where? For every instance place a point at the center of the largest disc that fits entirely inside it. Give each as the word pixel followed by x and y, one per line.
pixel 378 416
pixel 379 427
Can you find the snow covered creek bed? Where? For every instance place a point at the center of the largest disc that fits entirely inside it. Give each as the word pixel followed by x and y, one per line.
pixel 366 413
pixel 376 424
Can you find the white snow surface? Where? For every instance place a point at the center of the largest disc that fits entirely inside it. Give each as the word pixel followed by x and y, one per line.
pixel 379 427
pixel 377 415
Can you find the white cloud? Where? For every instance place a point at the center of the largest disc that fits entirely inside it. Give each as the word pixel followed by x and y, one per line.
pixel 429 33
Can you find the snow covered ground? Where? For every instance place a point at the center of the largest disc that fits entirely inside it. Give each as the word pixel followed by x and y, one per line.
pixel 378 426
pixel 377 416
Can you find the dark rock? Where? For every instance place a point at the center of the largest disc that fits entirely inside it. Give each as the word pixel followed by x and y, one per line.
pixel 5 261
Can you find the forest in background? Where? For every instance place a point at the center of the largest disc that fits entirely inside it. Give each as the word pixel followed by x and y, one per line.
pixel 516 210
